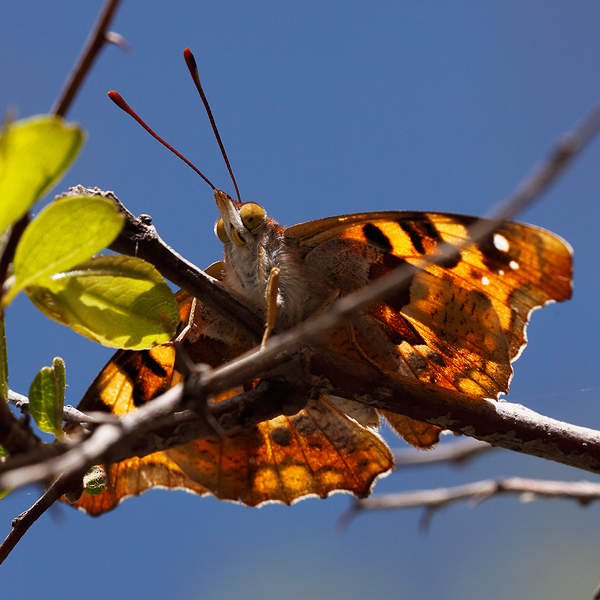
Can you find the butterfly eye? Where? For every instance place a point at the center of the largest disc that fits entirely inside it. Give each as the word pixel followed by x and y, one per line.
pixel 220 232
pixel 252 215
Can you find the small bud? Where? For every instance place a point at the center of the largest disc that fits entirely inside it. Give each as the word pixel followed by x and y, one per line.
pixel 94 481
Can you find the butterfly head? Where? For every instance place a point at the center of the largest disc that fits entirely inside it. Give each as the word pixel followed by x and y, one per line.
pixel 239 224
pixel 251 241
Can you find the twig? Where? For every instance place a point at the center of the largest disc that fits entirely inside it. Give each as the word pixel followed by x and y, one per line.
pixel 139 238
pixel 15 436
pixel 24 521
pixel 70 414
pixel 583 492
pixel 95 42
pixel 458 453
pixel 16 231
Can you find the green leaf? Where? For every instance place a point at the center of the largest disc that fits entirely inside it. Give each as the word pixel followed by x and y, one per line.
pixel 47 397
pixel 63 235
pixel 34 154
pixel 118 301
pixel 3 455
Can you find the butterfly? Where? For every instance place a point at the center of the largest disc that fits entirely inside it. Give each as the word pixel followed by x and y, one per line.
pixel 458 326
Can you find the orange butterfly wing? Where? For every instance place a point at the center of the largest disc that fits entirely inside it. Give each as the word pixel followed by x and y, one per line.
pixel 316 452
pixel 459 327
pixel 128 380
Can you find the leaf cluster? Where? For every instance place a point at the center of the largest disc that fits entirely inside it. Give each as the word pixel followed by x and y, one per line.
pixel 118 301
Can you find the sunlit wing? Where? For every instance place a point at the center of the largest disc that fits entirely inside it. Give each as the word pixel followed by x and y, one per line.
pixel 316 452
pixel 459 327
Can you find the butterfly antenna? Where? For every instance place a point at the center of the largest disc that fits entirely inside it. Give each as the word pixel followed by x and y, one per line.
pixel 190 61
pixel 116 98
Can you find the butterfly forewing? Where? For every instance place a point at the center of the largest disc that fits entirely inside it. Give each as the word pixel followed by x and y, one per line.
pixel 459 326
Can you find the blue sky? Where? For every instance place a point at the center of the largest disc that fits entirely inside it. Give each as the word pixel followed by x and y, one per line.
pixel 325 108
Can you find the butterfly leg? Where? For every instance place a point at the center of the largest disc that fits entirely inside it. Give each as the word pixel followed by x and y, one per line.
pixel 271 298
pixel 188 327
pixel 328 301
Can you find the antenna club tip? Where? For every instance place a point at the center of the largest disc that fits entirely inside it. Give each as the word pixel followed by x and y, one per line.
pixel 116 98
pixel 189 58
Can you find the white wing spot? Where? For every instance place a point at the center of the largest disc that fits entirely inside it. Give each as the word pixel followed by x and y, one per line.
pixel 501 242
pixel 513 264
pixel 485 281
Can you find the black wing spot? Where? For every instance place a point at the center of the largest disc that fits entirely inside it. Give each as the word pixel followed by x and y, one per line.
pixel 131 370
pixel 375 236
pixel 282 436
pixel 420 232
pixel 152 364
pixel 134 372
pixel 425 237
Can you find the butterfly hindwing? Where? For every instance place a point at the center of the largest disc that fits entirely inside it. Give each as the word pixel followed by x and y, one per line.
pixel 316 452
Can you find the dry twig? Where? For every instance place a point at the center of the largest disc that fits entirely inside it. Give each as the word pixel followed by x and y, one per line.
pixel 458 453
pixel 583 492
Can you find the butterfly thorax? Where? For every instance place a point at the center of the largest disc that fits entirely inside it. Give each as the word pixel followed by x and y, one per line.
pixel 247 269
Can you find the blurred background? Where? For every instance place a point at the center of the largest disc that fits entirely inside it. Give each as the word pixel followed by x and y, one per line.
pixel 325 108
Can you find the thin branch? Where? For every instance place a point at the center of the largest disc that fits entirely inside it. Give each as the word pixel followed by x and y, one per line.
pixel 547 171
pixel 140 238
pixel 70 414
pixel 8 251
pixel 22 523
pixel 95 42
pixel 15 436
pixel 583 492
pixel 458 453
